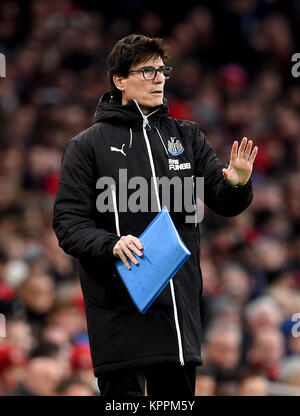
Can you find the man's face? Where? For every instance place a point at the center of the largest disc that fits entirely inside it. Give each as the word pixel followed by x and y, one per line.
pixel 148 93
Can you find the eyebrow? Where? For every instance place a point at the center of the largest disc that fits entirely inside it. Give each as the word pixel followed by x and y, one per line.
pixel 151 67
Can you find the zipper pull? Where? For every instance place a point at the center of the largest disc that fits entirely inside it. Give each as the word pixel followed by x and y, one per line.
pixel 146 124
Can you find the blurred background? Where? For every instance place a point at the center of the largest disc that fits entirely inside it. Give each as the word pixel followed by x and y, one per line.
pixel 232 73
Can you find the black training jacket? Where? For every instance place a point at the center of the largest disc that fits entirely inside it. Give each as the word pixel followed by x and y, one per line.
pixel 120 336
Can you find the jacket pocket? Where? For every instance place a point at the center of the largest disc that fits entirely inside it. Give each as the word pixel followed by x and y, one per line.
pixel 116 294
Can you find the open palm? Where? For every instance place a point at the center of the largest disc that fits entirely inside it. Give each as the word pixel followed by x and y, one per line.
pixel 241 162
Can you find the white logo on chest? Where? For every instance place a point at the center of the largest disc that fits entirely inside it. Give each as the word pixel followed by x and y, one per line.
pixel 175 165
pixel 115 149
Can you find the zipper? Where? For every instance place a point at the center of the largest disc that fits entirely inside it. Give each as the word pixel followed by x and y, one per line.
pixel 194 200
pixel 161 139
pixel 145 124
pixel 113 191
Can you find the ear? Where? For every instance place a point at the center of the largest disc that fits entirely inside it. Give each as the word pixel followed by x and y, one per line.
pixel 119 82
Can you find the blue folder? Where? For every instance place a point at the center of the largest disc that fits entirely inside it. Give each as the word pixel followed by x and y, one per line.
pixel 163 254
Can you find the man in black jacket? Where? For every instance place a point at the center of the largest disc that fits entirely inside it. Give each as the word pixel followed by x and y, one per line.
pixel 133 137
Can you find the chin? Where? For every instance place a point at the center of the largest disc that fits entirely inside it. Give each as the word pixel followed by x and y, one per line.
pixel 156 102
pixel 151 104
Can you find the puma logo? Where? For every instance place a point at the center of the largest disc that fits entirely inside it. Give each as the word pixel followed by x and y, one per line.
pixel 115 149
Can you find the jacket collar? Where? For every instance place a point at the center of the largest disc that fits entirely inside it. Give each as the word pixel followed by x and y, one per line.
pixel 112 111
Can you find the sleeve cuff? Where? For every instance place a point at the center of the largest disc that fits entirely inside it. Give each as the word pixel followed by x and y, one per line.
pixel 111 246
pixel 237 187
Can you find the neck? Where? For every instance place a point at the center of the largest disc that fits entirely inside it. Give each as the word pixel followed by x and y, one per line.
pixel 145 110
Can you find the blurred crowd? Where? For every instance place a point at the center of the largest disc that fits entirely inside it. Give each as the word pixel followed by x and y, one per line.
pixel 231 74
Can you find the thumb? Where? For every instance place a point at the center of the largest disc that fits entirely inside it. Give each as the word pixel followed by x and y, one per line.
pixel 226 174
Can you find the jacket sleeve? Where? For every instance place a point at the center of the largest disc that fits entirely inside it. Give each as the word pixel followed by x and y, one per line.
pixel 75 207
pixel 221 197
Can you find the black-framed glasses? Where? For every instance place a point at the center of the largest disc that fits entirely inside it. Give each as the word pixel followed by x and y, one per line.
pixel 149 72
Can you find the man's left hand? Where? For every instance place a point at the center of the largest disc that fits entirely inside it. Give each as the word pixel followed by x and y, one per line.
pixel 241 163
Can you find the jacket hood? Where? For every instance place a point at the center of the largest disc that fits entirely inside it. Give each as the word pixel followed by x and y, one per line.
pixel 111 111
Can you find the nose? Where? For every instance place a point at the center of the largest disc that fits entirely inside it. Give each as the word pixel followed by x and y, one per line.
pixel 159 78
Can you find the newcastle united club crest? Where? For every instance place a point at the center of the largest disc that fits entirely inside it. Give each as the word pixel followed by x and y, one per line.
pixel 175 148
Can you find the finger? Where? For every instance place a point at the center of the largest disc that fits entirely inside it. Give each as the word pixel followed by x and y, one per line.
pixel 134 244
pixel 248 150
pixel 124 260
pixel 128 253
pixel 125 242
pixel 253 155
pixel 134 248
pixel 137 243
pixel 226 175
pixel 242 147
pixel 131 256
pixel 126 250
pixel 130 238
pixel 234 148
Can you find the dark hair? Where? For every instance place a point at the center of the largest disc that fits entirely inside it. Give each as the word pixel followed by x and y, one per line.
pixel 129 51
